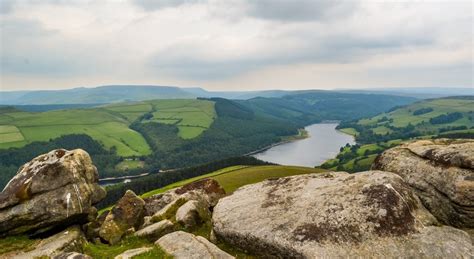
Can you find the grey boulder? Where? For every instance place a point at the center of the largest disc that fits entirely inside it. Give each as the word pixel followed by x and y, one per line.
pixel 335 214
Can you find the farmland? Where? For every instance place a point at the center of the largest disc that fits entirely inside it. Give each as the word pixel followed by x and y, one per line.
pixel 107 124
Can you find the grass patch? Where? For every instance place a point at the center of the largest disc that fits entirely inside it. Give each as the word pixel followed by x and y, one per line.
pixel 110 251
pixel 350 131
pixel 129 164
pixel 16 243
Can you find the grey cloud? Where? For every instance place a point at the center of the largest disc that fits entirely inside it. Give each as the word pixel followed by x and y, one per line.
pixel 6 6
pixel 185 60
pixel 300 10
pixel 152 5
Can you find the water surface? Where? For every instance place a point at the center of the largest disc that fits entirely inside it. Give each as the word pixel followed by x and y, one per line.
pixel 323 143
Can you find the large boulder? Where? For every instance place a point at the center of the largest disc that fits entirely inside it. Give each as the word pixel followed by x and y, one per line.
pixel 126 214
pixel 183 245
pixel 206 190
pixel 335 214
pixel 442 174
pixel 57 188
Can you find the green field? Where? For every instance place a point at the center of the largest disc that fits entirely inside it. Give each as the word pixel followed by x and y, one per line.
pixel 107 124
pixel 404 116
pixel 231 178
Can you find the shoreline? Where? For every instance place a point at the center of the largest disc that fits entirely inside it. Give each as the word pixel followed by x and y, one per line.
pixel 302 134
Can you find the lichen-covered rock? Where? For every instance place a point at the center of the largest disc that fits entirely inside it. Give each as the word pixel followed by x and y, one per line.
pixel 69 240
pixel 441 172
pixel 126 214
pixel 156 230
pixel 183 245
pixel 192 213
pixel 133 252
pixel 207 190
pixel 57 188
pixel 335 214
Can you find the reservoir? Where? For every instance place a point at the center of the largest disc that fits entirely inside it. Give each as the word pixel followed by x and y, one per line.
pixel 323 143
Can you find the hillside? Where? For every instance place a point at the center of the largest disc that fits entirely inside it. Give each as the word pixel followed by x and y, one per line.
pixel 305 107
pixel 442 117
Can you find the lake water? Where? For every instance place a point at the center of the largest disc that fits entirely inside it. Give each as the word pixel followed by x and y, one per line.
pixel 323 143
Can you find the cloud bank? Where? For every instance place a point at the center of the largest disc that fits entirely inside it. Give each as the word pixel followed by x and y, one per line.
pixel 236 44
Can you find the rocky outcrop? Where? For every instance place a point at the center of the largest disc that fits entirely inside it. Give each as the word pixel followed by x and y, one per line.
pixel 126 214
pixel 441 172
pixel 184 245
pixel 69 240
pixel 133 252
pixel 335 214
pixel 207 190
pixel 57 188
pixel 154 231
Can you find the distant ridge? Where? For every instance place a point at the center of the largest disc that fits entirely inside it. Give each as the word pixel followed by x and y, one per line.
pixel 125 93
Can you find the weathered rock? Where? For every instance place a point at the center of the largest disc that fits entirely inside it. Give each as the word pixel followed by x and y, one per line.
pixel 335 214
pixel 57 188
pixel 133 252
pixel 208 190
pixel 69 240
pixel 126 214
pixel 72 255
pixel 192 213
pixel 184 245
pixel 442 174
pixel 156 230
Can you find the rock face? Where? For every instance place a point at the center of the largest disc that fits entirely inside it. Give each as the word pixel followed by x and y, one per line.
pixel 69 240
pixel 57 188
pixel 335 214
pixel 184 245
pixel 126 214
pixel 207 190
pixel 442 174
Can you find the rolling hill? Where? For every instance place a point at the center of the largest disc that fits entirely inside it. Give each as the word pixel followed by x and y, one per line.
pixel 442 117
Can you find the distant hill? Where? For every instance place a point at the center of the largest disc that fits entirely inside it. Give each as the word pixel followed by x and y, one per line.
pixel 305 107
pixel 102 94
pixel 418 92
pixel 133 93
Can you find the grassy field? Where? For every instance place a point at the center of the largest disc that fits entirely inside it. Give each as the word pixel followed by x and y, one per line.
pixel 192 117
pixel 403 116
pixel 107 124
pixel 231 178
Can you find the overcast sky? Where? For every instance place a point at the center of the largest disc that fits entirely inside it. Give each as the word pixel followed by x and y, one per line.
pixel 236 44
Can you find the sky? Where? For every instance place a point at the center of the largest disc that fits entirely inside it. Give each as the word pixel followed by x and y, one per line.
pixel 236 44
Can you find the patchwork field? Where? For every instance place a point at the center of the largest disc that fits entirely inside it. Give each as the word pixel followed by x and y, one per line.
pixel 107 124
